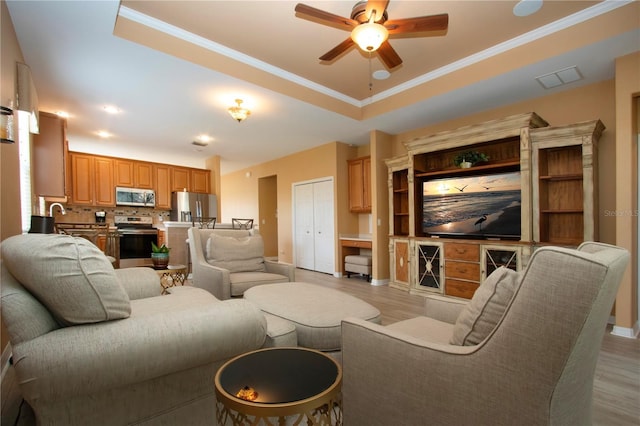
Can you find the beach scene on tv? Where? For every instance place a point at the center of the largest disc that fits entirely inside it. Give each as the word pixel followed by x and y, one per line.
pixel 481 206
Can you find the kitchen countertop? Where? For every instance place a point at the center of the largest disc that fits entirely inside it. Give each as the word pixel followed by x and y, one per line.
pixel 356 237
pixel 176 224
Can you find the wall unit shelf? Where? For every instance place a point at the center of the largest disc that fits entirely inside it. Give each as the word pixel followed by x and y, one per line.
pixel 564 167
pixel 558 200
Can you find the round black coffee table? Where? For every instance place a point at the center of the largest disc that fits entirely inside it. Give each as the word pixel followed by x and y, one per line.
pixel 293 383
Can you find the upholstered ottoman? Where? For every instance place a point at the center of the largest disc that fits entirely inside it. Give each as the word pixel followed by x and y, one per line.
pixel 358 264
pixel 317 312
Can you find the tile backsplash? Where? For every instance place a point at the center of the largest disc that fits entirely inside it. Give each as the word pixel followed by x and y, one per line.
pixel 86 214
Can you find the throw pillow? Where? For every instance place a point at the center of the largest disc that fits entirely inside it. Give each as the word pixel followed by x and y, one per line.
pixel 69 275
pixel 244 254
pixel 486 308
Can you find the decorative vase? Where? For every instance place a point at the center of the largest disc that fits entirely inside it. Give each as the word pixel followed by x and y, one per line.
pixel 160 260
pixel 465 164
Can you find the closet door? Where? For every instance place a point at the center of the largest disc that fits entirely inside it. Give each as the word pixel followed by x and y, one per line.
pixel 314 226
pixel 304 235
pixel 324 245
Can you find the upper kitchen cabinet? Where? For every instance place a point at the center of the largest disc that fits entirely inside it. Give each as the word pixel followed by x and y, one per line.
pixel 200 181
pixel 92 180
pixel 180 178
pixel 49 157
pixel 162 177
pixel 133 174
pixel 360 185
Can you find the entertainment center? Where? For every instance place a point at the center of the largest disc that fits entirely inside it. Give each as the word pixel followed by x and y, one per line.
pixel 467 201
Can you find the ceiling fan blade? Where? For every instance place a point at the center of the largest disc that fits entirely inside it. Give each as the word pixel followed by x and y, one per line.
pixel 388 55
pixel 418 25
pixel 378 5
pixel 325 18
pixel 338 50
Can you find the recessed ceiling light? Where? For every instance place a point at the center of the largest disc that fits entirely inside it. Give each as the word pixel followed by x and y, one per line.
pixel 62 114
pixel 204 138
pixel 111 109
pixel 381 74
pixel 527 7
pixel 103 134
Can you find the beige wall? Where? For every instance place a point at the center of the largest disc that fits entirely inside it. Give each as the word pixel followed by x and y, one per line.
pixel 239 190
pixel 627 89
pixel 597 101
pixel 10 222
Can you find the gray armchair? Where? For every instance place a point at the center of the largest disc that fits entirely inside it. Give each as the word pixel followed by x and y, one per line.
pixel 96 346
pixel 535 365
pixel 227 262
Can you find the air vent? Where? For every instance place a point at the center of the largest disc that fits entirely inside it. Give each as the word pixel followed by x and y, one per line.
pixel 560 77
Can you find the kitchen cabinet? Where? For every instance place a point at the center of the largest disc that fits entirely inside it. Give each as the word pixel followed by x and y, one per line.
pixel 162 178
pixel 360 185
pixel 92 180
pixel 180 178
pixel 133 174
pixel 50 150
pixel 200 181
pixel 124 173
pixel 143 175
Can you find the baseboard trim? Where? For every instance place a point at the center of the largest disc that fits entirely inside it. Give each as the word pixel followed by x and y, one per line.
pixel 628 332
pixel 375 282
pixel 4 360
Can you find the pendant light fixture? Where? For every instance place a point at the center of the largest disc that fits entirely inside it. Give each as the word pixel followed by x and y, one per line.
pixel 238 112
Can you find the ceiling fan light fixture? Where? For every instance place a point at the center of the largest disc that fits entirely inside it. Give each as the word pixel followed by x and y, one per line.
pixel 369 36
pixel 238 112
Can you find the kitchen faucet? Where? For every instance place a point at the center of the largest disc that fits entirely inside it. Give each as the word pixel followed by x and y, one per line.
pixel 62 210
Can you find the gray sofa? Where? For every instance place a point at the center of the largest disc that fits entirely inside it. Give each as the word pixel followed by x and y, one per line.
pixel 227 262
pixel 523 351
pixel 96 346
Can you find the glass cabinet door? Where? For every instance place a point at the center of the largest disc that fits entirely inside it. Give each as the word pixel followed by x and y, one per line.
pixel 429 273
pixel 494 257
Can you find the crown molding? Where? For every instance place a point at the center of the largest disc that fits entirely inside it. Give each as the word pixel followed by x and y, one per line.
pixel 544 31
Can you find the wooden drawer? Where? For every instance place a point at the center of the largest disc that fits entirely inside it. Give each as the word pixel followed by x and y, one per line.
pixel 462 270
pixel 457 288
pixel 459 251
pixel 356 243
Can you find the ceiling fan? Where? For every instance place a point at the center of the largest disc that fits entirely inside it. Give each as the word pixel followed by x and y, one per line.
pixel 370 28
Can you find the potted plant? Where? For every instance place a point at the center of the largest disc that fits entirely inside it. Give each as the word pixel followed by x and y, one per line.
pixel 159 256
pixel 469 158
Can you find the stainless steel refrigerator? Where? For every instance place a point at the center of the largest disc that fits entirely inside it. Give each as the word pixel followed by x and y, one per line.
pixel 186 206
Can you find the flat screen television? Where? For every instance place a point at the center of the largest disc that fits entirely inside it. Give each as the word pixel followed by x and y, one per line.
pixel 476 207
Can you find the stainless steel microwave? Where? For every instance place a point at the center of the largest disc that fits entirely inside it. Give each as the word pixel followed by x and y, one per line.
pixel 135 197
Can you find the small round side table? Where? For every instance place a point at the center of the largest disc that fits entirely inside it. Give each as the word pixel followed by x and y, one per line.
pixel 279 386
pixel 172 276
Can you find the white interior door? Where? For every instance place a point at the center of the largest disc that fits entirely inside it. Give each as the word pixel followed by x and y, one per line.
pixel 303 214
pixel 314 226
pixel 324 256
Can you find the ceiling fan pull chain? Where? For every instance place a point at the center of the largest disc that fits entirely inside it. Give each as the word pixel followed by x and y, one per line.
pixel 370 73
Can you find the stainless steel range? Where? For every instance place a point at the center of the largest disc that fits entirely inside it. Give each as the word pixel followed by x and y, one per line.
pixel 136 235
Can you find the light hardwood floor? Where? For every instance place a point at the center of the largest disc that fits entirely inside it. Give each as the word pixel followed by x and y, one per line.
pixel 616 396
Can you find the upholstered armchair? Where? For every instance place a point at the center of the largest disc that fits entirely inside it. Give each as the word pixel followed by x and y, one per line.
pixel 522 351
pixel 226 262
pixel 96 346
